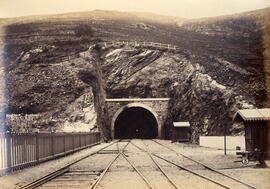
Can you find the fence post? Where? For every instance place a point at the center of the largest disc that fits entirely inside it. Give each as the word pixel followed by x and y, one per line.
pixel 8 148
pixel 52 143
pixel 73 145
pixel 23 141
pixel 37 147
pixel 64 141
pixel 90 139
pixel 80 139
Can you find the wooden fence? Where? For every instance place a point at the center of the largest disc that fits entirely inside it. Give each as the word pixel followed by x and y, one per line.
pixel 19 150
pixel 139 43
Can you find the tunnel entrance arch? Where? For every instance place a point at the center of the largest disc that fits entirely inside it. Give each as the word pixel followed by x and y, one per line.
pixel 135 120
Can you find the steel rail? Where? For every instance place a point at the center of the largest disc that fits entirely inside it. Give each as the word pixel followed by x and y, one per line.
pixel 193 172
pixel 186 169
pixel 58 172
pixel 206 166
pixel 134 167
pixel 93 186
pixel 104 172
pixel 121 152
pixel 142 176
pixel 45 179
pixel 160 168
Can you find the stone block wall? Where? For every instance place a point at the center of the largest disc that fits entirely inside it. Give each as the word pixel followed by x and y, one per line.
pixel 157 106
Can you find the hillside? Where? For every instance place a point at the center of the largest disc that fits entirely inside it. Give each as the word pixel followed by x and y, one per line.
pixel 218 68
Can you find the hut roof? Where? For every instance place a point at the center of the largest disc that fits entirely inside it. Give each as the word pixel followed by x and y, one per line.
pixel 252 115
pixel 181 124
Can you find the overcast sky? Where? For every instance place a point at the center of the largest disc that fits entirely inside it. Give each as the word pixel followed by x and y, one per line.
pixel 181 8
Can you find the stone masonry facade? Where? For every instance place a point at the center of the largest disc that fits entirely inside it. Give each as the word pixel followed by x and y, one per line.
pixel 157 106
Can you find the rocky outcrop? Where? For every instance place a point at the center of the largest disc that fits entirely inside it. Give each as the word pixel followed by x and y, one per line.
pixel 94 78
pixel 209 104
pixel 216 69
pixel 79 116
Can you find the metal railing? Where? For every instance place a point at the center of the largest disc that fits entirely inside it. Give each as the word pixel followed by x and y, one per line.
pixel 19 150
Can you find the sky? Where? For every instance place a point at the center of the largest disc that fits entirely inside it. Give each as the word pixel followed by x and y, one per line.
pixel 181 8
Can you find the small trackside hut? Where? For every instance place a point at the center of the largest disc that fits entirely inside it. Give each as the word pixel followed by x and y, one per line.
pixel 256 130
pixel 181 132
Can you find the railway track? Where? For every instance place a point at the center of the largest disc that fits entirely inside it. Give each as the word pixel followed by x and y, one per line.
pixel 161 169
pixel 208 167
pixel 98 168
pixel 215 176
pixel 120 152
pixel 59 172
pixel 68 178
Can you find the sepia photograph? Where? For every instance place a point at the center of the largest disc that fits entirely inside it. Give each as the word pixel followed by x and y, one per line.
pixel 116 94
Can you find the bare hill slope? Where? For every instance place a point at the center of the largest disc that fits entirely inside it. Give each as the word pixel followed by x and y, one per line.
pixel 218 68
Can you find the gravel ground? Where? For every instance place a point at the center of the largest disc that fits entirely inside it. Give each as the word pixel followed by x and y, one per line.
pixel 122 175
pixel 257 177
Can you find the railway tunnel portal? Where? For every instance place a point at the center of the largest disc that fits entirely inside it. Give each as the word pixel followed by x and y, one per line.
pixel 137 118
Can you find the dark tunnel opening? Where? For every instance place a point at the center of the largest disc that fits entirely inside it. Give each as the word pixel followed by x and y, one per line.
pixel 136 122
